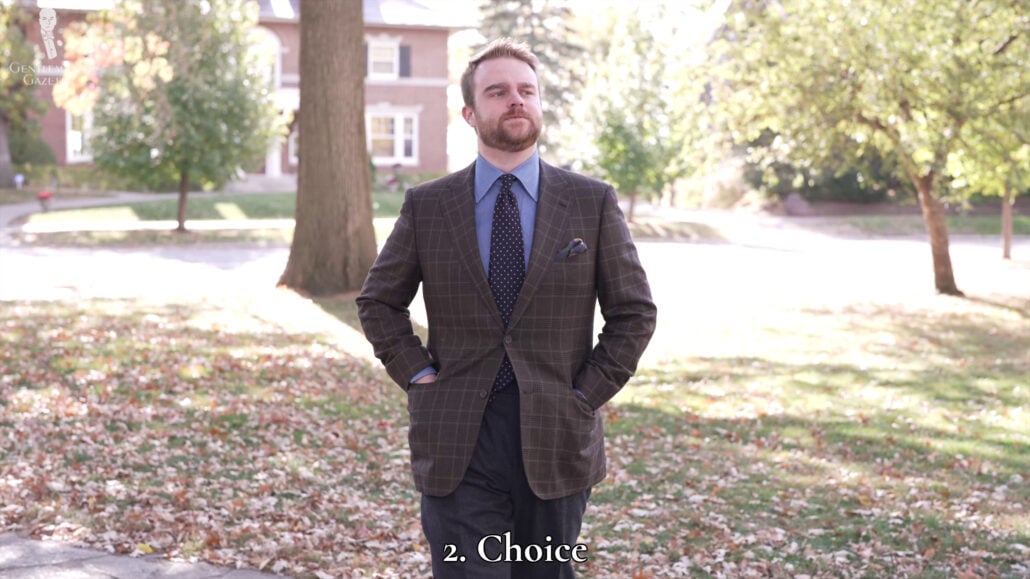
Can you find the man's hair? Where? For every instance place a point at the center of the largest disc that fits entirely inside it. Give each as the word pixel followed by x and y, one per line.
pixel 500 48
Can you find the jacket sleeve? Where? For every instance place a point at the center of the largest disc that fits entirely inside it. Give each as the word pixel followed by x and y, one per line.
pixel 627 308
pixel 388 290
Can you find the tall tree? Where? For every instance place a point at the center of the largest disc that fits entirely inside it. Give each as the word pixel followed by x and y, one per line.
pixel 546 26
pixel 994 159
pixel 17 83
pixel 907 76
pixel 182 94
pixel 334 242
pixel 640 143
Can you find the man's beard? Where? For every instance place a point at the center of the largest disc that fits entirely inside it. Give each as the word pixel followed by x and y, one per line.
pixel 499 137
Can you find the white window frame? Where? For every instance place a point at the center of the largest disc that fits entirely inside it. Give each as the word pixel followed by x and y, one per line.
pixel 399 116
pixel 383 41
pixel 79 153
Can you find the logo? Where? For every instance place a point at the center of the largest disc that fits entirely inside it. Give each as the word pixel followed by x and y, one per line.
pixel 47 23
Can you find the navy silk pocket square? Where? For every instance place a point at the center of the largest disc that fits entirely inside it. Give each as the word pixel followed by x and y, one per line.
pixel 575 247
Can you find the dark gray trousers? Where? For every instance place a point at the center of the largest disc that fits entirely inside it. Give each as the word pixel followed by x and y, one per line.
pixel 493 519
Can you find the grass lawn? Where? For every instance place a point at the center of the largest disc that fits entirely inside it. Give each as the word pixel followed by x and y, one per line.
pixel 28 195
pixel 247 207
pixel 202 207
pixel 10 196
pixel 914 224
pixel 387 204
pixel 877 440
pixel 199 208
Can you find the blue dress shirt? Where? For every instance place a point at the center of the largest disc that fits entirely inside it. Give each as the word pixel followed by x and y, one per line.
pixel 487 187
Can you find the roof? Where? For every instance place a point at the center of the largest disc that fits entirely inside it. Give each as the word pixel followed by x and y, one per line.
pixel 420 13
pixel 72 5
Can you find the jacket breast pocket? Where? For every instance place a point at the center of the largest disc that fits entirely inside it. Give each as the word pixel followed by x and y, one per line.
pixel 575 275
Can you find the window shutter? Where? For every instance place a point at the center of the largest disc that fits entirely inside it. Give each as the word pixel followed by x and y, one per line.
pixel 405 61
pixel 366 60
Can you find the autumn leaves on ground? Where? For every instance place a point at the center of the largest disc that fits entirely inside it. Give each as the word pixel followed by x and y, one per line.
pixel 874 440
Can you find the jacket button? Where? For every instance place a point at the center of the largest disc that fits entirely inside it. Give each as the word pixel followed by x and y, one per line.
pixel 507 339
pixel 483 393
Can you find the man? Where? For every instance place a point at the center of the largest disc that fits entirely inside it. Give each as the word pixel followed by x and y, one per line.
pixel 513 255
pixel 47 22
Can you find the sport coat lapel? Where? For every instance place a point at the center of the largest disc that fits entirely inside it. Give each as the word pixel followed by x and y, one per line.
pixel 551 214
pixel 460 213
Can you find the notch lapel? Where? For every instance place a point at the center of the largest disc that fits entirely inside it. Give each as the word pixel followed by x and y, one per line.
pixel 460 213
pixel 551 213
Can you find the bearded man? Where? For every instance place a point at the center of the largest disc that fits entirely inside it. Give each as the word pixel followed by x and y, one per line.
pixel 513 255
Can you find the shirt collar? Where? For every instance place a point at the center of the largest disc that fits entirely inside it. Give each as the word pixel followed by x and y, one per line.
pixel 528 173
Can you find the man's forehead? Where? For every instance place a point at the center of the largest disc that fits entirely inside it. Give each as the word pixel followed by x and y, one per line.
pixel 504 70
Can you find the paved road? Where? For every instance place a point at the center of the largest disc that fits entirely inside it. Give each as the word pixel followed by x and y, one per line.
pixel 690 281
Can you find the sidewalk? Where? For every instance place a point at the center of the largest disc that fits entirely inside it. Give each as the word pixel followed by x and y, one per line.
pixel 23 558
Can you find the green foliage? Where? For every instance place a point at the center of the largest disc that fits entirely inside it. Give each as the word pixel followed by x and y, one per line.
pixel 850 173
pixel 185 94
pixel 994 156
pixel 18 100
pixel 76 177
pixel 641 139
pixel 905 78
pixel 546 27
pixel 28 148
pixel 17 96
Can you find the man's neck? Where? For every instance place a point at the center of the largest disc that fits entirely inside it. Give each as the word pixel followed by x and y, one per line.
pixel 504 160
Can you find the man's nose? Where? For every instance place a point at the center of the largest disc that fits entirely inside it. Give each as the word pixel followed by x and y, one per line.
pixel 516 100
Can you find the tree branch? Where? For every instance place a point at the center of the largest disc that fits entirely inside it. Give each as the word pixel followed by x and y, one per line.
pixel 1005 45
pixel 878 125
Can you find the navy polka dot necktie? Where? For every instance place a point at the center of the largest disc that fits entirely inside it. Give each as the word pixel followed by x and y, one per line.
pixel 507 266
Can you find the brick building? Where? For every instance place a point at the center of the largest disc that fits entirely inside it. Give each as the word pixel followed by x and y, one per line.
pixel 405 85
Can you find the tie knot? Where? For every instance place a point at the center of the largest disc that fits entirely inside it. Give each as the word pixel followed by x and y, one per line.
pixel 507 180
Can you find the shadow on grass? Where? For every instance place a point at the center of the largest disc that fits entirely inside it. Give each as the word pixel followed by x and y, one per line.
pixel 185 347
pixel 1017 306
pixel 737 465
pixel 215 417
pixel 345 309
pixel 792 494
pixel 901 454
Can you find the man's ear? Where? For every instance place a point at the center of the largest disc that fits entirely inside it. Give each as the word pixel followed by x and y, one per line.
pixel 469 114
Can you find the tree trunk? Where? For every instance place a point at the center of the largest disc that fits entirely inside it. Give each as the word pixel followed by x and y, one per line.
pixel 333 241
pixel 1006 225
pixel 937 226
pixel 184 186
pixel 6 171
pixel 632 207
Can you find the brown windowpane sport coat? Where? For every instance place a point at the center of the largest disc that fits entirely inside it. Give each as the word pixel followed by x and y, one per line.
pixel 550 339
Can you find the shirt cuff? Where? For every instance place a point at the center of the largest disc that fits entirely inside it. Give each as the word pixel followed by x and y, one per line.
pixel 425 372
